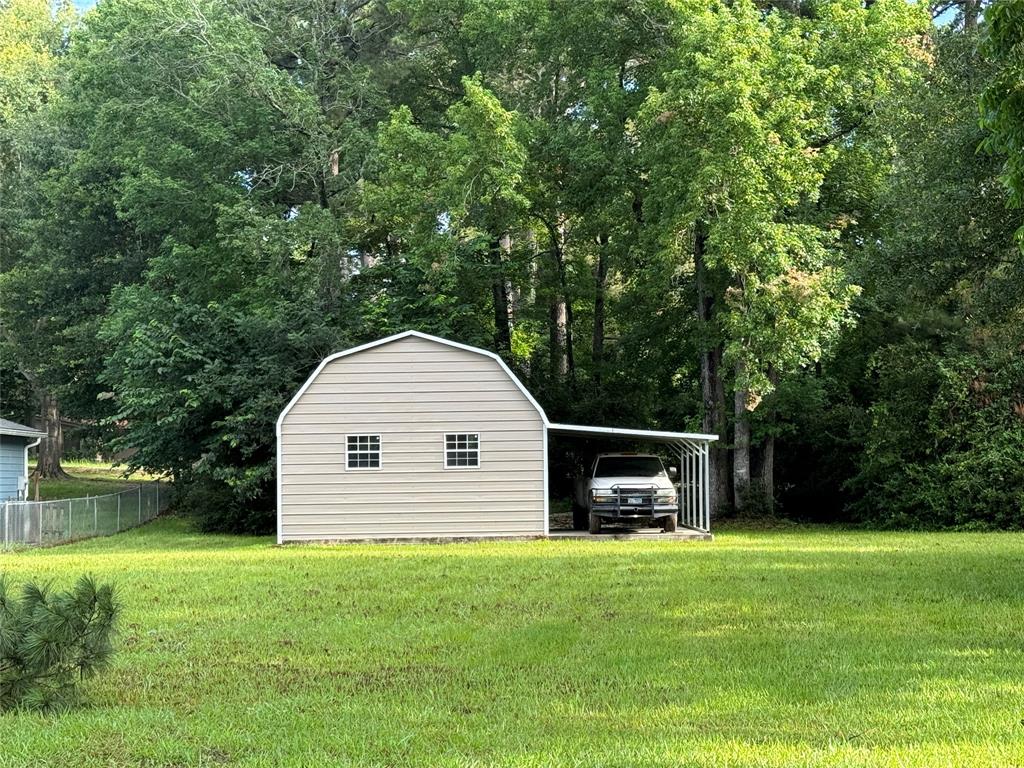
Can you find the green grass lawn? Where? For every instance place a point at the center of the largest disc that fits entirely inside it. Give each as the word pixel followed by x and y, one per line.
pixel 87 478
pixel 805 647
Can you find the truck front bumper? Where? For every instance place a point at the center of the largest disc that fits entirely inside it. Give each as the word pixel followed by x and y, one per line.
pixel 613 511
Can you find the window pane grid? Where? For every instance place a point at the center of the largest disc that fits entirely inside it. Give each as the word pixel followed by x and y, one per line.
pixel 362 451
pixel 462 450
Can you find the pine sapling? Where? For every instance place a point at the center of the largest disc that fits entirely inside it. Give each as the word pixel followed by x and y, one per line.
pixel 51 640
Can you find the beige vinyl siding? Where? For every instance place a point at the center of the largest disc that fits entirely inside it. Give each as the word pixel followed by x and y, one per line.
pixel 411 392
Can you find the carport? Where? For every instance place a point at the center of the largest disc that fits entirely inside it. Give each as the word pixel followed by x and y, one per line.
pixel 694 460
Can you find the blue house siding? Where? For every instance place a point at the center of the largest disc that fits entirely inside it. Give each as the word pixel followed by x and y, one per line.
pixel 12 464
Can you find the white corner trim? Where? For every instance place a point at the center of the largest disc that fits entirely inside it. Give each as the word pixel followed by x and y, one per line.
pixel 547 496
pixel 278 482
pixel 27 446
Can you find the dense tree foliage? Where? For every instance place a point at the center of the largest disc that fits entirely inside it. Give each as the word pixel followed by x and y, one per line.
pixel 32 40
pixel 946 432
pixel 769 221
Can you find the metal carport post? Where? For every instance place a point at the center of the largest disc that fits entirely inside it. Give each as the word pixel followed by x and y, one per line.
pixel 694 490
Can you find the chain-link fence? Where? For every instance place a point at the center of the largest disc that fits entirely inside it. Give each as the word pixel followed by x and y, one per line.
pixel 36 523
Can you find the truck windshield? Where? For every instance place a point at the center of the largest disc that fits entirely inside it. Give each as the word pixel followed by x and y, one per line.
pixel 628 466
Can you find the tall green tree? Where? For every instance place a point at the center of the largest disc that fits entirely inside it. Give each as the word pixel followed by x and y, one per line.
pixel 458 195
pixel 191 219
pixel 32 41
pixel 757 112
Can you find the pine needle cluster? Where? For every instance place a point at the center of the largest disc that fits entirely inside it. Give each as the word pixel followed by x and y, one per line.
pixel 51 640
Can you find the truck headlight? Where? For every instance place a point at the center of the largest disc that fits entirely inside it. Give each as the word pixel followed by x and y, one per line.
pixel 666 497
pixel 601 496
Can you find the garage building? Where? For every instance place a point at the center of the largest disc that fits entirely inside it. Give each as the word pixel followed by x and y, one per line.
pixel 415 436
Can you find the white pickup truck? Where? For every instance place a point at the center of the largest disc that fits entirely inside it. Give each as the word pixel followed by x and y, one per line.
pixel 626 488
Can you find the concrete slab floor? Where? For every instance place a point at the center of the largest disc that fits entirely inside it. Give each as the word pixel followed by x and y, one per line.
pixel 647 534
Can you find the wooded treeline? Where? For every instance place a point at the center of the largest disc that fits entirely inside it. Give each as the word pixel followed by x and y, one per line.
pixel 787 223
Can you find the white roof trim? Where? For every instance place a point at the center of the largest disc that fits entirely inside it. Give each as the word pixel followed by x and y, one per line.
pixel 396 337
pixel 639 434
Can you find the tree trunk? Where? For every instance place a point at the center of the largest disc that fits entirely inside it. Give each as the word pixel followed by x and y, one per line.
pixel 570 357
pixel 502 300
pixel 51 449
pixel 712 386
pixel 741 445
pixel 559 340
pixel 600 279
pixel 515 295
pixel 767 478
pixel 766 473
pixel 502 329
pixel 563 360
pixel 715 422
pixel 531 243
pixel 972 10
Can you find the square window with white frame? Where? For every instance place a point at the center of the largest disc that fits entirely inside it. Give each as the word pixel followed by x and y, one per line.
pixel 462 450
pixel 362 451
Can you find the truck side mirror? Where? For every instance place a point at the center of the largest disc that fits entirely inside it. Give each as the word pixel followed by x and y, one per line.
pixel 673 472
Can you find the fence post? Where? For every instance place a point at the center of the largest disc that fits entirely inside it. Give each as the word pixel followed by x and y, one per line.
pixel 140 503
pixel 118 528
pixel 95 517
pixel 7 533
pixel 157 498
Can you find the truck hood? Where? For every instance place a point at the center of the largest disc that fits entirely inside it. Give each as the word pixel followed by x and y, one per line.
pixel 630 482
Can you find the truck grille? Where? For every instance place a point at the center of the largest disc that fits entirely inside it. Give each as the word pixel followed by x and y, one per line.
pixel 645 492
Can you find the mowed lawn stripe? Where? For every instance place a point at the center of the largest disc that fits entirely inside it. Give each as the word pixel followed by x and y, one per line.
pixel 806 647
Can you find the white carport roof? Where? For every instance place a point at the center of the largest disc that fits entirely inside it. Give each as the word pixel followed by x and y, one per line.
pixel 653 435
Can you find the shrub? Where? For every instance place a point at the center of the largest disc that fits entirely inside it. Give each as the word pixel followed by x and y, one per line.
pixel 946 440
pixel 216 507
pixel 48 641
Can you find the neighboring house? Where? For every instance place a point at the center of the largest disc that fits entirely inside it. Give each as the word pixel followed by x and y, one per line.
pixel 415 436
pixel 15 440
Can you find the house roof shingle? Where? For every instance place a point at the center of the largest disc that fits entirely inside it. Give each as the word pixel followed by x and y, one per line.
pixel 8 427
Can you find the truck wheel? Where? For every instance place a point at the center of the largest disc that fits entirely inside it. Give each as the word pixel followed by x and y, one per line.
pixel 595 523
pixel 579 518
pixel 668 524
